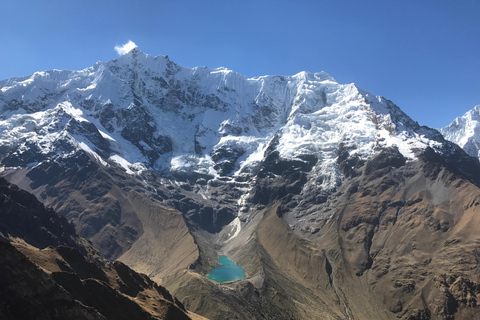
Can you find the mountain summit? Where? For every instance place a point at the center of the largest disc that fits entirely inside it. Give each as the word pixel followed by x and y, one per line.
pixel 465 131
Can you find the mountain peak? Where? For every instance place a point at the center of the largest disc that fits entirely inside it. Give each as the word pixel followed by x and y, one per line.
pixel 317 76
pixel 133 53
pixel 465 131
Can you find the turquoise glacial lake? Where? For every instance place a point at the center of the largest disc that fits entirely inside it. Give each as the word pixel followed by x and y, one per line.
pixel 227 271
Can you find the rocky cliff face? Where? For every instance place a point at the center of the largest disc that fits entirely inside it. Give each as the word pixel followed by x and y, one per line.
pixel 336 203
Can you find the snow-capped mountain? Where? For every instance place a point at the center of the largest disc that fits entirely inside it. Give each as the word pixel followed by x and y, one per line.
pixel 465 131
pixel 334 201
pixel 144 112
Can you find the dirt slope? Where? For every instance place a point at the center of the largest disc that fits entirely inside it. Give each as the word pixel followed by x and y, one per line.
pixel 166 245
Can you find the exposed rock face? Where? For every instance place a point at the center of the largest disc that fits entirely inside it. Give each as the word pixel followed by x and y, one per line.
pixel 48 272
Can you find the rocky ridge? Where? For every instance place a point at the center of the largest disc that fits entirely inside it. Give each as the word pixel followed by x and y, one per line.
pixel 49 272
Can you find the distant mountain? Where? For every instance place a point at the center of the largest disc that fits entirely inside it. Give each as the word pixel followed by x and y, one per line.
pixel 465 131
pixel 335 202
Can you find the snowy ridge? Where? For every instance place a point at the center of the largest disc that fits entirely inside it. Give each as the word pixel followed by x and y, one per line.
pixel 465 131
pixel 144 112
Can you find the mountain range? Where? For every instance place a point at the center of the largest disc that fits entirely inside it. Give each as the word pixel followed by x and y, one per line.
pixel 335 202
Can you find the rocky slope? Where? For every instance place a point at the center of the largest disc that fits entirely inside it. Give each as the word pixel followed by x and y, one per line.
pixel 336 203
pixel 401 244
pixel 49 272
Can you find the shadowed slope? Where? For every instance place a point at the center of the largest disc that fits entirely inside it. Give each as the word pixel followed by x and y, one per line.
pixel 62 277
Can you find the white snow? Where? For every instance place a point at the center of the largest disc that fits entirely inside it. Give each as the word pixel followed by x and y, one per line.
pixel 76 113
pixel 106 136
pixel 87 149
pixel 236 227
pixel 122 162
pixel 465 131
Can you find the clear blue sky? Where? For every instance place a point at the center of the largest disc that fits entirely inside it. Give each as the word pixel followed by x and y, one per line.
pixel 424 55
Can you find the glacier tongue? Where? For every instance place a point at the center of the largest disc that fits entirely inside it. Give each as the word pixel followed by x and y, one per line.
pixel 140 111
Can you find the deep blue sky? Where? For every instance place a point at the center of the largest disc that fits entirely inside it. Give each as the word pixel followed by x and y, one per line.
pixel 424 55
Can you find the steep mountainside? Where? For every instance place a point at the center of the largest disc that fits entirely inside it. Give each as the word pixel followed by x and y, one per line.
pixel 335 202
pixel 465 131
pixel 211 129
pixel 49 272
